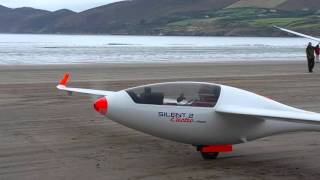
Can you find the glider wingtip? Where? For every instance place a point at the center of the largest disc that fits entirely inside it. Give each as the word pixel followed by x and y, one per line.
pixel 64 80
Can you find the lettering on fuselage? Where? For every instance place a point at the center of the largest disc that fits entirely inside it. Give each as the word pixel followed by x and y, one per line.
pixel 177 117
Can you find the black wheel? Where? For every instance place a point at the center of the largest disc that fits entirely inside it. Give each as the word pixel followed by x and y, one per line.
pixel 210 155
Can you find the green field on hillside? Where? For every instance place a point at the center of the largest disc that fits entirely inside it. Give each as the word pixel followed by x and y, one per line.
pixel 257 3
pixel 240 20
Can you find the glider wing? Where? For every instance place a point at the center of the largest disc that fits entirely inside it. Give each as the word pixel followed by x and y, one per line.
pixel 298 34
pixel 63 86
pixel 298 116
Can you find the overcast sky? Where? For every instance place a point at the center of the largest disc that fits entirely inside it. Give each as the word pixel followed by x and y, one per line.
pixel 52 5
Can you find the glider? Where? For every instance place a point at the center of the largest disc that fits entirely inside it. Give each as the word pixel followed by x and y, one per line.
pixel 211 117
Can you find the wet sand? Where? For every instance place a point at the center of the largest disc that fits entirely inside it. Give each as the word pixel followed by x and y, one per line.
pixel 45 134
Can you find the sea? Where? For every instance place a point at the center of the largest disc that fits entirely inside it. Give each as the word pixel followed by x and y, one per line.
pixel 27 49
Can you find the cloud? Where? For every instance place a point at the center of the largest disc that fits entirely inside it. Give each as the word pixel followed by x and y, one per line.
pixel 76 5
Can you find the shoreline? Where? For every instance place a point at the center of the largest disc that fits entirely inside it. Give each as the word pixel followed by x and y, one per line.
pixel 151 35
pixel 161 71
pixel 240 62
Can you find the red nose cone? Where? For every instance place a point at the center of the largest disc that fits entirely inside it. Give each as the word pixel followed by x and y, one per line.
pixel 101 106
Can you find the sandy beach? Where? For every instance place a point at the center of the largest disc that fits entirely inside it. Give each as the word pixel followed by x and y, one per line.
pixel 45 134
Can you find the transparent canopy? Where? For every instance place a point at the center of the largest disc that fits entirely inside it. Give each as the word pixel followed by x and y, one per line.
pixel 177 94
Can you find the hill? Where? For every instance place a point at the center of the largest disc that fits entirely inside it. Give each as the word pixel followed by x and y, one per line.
pixel 45 23
pixel 138 16
pixel 170 17
pixel 10 19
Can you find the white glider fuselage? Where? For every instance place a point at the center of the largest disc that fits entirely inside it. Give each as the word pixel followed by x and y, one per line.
pixel 209 125
pixel 211 117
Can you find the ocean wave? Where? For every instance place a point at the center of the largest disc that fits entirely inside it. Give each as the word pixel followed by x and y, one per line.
pixel 135 49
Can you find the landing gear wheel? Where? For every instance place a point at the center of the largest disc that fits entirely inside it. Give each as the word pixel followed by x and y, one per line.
pixel 209 155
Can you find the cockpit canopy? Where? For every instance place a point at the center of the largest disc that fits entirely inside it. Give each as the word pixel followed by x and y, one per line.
pixel 177 94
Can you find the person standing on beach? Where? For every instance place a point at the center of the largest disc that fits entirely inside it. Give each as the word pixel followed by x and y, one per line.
pixel 310 56
pixel 317 52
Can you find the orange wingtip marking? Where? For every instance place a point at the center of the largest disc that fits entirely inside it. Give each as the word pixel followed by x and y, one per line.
pixel 65 79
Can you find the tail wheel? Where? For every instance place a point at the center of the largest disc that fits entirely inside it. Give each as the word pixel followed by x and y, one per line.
pixel 209 155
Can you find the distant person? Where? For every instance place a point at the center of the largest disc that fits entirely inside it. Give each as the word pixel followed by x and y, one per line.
pixel 310 56
pixel 317 52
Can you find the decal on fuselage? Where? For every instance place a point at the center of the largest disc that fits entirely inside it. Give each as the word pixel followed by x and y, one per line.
pixel 177 117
